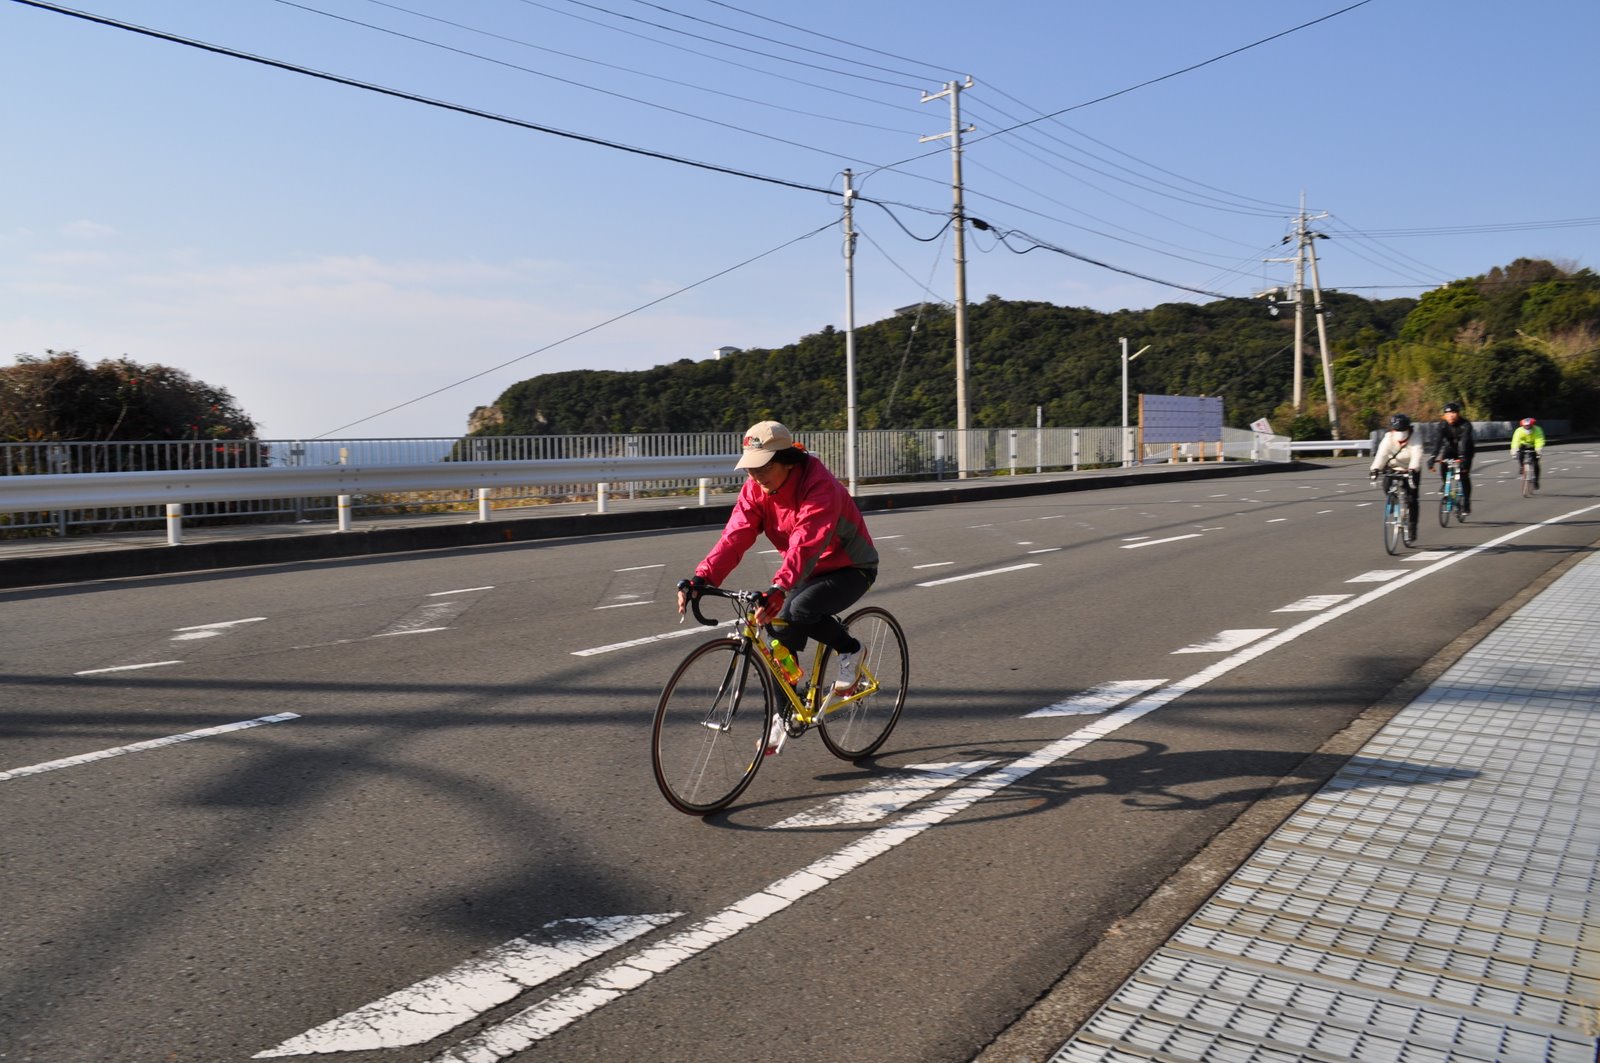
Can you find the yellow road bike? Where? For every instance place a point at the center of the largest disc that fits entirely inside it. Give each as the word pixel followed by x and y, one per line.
pixel 717 711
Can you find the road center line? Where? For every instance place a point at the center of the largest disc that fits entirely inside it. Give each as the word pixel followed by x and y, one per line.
pixel 138 747
pixel 1158 542
pixel 549 1016
pixel 127 667
pixel 979 575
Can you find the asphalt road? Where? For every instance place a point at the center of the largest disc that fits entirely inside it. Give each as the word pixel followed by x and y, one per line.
pixel 443 818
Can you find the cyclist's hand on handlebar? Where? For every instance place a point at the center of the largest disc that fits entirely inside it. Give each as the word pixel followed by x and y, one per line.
pixel 771 605
pixel 687 589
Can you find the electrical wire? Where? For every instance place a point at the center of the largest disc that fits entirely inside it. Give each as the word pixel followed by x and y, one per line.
pixel 584 332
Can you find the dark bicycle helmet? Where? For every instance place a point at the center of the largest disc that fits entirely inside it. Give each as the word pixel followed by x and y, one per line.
pixel 1452 407
pixel 1400 423
pixel 1528 422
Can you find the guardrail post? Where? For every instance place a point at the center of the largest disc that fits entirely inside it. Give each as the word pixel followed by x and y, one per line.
pixel 1077 448
pixel 344 513
pixel 483 505
pixel 705 489
pixel 174 523
pixel 1013 452
pixel 600 492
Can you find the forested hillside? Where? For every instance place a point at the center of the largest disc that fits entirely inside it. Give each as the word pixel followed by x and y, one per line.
pixel 1520 340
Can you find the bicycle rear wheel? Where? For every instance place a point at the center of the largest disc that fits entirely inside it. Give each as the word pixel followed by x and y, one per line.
pixel 711 727
pixel 858 728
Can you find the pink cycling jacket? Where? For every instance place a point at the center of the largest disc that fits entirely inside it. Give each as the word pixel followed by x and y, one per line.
pixel 811 519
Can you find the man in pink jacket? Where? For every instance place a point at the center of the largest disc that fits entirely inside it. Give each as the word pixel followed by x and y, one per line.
pixel 828 558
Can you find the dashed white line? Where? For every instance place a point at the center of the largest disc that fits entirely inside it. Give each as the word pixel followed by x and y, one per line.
pixel 1313 603
pixel 980 575
pixel 1228 641
pixel 934 564
pixel 127 667
pixel 437 1005
pixel 1158 542
pixel 137 747
pixel 640 568
pixel 622 605
pixel 463 590
pixel 1381 576
pixel 647 640
pixel 883 797
pixel 1045 550
pixel 1098 699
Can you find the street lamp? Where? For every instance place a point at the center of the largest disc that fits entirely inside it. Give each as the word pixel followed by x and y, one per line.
pixel 1127 447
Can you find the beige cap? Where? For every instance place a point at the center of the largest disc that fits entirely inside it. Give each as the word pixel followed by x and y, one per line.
pixel 761 441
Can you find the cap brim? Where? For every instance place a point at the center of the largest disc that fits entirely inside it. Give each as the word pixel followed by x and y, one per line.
pixel 754 459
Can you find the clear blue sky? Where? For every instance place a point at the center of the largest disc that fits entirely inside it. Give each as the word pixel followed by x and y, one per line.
pixel 326 253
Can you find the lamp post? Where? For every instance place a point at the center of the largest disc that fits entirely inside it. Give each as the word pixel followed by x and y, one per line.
pixel 1127 449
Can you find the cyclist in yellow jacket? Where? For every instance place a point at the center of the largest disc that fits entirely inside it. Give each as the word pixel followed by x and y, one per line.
pixel 1526 443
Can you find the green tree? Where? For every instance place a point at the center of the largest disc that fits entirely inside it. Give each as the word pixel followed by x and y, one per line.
pixel 61 398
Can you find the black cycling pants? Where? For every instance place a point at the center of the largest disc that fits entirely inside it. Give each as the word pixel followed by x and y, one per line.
pixel 812 609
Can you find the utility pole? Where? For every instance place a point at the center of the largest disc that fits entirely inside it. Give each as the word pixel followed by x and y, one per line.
pixel 1302 238
pixel 953 89
pixel 1322 331
pixel 850 331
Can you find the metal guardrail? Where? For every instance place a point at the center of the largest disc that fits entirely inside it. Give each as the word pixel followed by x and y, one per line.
pixel 1311 446
pixel 57 487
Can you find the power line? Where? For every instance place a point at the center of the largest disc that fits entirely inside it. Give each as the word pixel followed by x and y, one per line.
pixel 583 332
pixel 367 86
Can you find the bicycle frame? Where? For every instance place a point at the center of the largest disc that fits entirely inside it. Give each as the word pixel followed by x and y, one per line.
pixel 804 708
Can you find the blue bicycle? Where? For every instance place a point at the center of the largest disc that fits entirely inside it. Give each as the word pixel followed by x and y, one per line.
pixel 1451 500
pixel 1399 521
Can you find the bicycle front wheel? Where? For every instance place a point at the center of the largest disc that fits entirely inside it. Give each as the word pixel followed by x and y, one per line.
pixel 1527 479
pixel 1447 503
pixel 858 728
pixel 711 727
pixel 1391 525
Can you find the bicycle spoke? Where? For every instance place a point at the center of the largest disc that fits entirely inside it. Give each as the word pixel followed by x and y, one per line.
pixel 710 728
pixel 858 726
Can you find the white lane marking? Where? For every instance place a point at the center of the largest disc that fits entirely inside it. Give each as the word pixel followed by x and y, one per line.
pixel 1045 550
pixel 1158 542
pixel 210 631
pixel 1134 538
pixel 1277 520
pixel 1320 512
pixel 126 667
pixel 463 590
pixel 623 605
pixel 1025 543
pixel 979 575
pixel 1378 576
pixel 884 797
pixel 138 747
pixel 1095 700
pixel 934 564
pixel 648 639
pixel 437 1005
pixel 886 538
pixel 1313 603
pixel 641 568
pixel 1428 555
pixel 1361 504
pixel 549 1016
pixel 429 616
pixel 407 631
pixel 1229 640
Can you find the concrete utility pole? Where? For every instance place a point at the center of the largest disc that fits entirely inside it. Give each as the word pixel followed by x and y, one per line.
pixel 850 332
pixel 953 89
pixel 1303 238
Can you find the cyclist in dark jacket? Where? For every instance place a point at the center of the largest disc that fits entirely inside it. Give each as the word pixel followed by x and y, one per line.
pixel 1455 440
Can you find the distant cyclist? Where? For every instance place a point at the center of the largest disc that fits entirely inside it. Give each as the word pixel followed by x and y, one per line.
pixel 1526 443
pixel 1455 441
pixel 1400 454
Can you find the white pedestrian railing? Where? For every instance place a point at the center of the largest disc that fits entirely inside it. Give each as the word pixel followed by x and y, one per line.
pixel 67 486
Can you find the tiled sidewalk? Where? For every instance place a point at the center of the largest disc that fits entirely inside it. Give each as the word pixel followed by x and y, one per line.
pixel 1434 902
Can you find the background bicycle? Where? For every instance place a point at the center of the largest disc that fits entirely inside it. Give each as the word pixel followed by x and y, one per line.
pixel 1451 502
pixel 715 714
